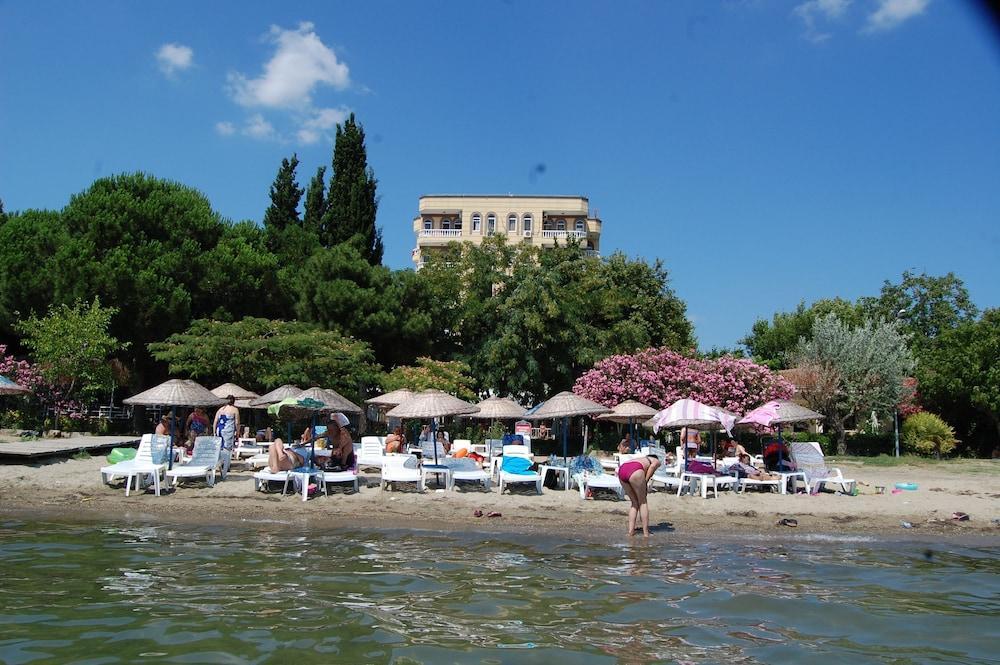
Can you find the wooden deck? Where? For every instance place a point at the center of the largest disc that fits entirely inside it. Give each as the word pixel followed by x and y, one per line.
pixel 22 450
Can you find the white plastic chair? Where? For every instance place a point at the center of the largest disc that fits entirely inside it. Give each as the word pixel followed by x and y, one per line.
pixel 808 458
pixel 507 478
pixel 110 472
pixel 245 447
pixel 144 463
pixel 398 468
pixel 340 477
pixel 205 459
pixel 372 453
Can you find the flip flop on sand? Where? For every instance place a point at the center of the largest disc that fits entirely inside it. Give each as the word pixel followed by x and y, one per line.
pixel 494 514
pixel 960 517
pixel 788 521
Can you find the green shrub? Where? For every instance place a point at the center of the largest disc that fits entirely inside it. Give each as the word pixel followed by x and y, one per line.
pixel 925 433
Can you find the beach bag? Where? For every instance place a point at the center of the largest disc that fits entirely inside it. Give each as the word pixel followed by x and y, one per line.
pixel 120 455
pixel 694 466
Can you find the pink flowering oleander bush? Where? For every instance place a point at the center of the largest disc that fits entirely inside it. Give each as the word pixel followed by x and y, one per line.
pixel 43 393
pixel 658 377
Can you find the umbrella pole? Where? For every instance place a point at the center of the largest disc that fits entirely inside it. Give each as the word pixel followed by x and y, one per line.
pixel 565 438
pixel 631 435
pixel 312 442
pixel 170 452
pixel 715 435
pixel 781 447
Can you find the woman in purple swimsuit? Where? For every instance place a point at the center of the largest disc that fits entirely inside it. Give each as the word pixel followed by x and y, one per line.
pixel 634 476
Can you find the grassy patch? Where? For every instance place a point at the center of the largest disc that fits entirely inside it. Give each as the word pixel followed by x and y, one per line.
pixel 956 465
pixel 82 455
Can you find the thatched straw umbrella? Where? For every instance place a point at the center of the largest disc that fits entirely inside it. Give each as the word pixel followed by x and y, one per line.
pixel 242 395
pixel 628 412
pixel 433 404
pixel 174 393
pixel 566 405
pixel 275 396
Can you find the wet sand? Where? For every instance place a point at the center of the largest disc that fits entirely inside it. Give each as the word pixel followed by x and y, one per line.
pixel 73 488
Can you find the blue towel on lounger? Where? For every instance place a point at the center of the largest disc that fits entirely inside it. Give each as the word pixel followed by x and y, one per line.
pixel 518 465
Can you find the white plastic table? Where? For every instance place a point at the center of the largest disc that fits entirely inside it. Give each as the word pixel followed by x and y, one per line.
pixel 564 470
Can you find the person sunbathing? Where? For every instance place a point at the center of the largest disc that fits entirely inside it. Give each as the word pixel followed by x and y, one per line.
pixel 745 469
pixel 280 458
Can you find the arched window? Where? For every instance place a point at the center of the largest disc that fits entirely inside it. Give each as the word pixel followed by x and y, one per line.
pixel 445 223
pixel 526 222
pixel 457 224
pixel 511 223
pixel 580 226
pixel 491 223
pixel 561 225
pixel 428 224
pixel 477 220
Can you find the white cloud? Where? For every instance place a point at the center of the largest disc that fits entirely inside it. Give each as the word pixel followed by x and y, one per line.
pixel 814 12
pixel 174 58
pixel 891 13
pixel 300 63
pixel 225 128
pixel 316 126
pixel 258 128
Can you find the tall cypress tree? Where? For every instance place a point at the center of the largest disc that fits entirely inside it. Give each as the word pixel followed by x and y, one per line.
pixel 312 220
pixel 351 201
pixel 283 213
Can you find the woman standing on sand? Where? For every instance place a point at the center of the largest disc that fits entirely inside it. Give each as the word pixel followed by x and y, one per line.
pixel 634 476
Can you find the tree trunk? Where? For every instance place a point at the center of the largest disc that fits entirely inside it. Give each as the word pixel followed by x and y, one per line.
pixel 841 434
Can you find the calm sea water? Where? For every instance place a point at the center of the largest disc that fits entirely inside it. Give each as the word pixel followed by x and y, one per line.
pixel 126 593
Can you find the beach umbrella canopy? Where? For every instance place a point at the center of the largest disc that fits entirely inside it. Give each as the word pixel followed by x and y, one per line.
pixel 566 405
pixel 8 387
pixel 275 396
pixel 332 399
pixel 242 395
pixel 432 404
pixel 694 414
pixel 297 408
pixel 390 399
pixel 499 408
pixel 790 412
pixel 174 393
pixel 628 412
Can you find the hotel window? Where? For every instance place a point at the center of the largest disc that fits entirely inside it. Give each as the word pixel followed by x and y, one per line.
pixel 491 223
pixel 457 225
pixel 445 223
pixel 428 225
pixel 527 222
pixel 511 223
pixel 476 221
pixel 561 225
pixel 579 226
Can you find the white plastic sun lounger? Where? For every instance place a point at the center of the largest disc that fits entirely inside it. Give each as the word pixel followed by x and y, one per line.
pixel 808 458
pixel 122 469
pixel 372 453
pixel 507 478
pixel 266 475
pixel 205 460
pixel 397 468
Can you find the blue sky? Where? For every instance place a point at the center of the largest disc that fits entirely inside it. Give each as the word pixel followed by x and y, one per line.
pixel 769 152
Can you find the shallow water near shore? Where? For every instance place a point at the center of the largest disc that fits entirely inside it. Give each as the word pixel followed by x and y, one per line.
pixel 262 593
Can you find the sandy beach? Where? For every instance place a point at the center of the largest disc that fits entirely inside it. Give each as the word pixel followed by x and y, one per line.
pixel 73 486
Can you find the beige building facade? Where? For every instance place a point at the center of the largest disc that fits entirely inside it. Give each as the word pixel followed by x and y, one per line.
pixel 540 220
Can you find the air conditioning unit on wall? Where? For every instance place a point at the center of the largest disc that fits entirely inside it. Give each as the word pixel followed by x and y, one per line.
pixel 527 234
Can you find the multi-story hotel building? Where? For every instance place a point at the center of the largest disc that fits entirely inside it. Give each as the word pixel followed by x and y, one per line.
pixel 539 220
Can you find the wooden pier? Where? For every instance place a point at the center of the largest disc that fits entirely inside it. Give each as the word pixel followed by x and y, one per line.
pixel 20 451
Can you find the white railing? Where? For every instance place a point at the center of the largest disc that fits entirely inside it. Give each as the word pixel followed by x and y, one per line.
pixel 576 235
pixel 441 233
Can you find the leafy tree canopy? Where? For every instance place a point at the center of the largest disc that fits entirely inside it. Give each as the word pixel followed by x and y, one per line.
pixel 261 354
pixel 849 372
pixel 772 342
pixel 450 376
pixel 73 348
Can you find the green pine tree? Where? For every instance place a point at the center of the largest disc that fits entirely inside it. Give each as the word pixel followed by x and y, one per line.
pixel 312 219
pixel 351 201
pixel 285 196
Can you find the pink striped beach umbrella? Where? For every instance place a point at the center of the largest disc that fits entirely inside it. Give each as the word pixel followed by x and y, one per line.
pixel 694 414
pixel 762 415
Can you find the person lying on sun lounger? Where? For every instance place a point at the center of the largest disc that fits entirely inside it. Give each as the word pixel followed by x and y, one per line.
pixel 745 469
pixel 280 458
